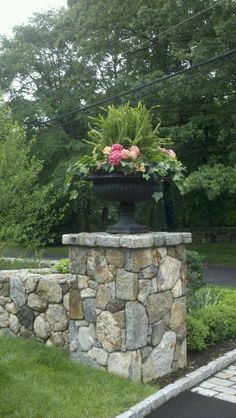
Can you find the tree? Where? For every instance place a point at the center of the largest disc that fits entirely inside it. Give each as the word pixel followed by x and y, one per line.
pixel 138 42
pixel 26 209
pixel 43 78
pixel 61 62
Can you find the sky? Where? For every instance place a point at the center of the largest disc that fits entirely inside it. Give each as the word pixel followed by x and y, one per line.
pixel 16 12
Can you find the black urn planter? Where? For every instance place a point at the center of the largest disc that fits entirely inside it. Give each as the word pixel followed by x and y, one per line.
pixel 128 190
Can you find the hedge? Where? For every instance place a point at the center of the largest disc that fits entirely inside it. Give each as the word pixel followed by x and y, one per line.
pixel 210 324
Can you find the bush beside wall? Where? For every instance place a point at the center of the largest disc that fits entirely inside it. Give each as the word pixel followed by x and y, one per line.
pixel 211 324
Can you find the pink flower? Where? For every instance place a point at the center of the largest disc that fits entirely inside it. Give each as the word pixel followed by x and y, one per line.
pixel 134 151
pixel 116 147
pixel 125 154
pixel 168 152
pixel 115 157
pixel 172 153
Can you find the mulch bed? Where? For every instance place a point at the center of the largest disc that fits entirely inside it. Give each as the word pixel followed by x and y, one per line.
pixel 198 359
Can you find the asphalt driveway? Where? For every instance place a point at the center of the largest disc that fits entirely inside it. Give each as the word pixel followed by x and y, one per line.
pixel 217 275
pixel 192 405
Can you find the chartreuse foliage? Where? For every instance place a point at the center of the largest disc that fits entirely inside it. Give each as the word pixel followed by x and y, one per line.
pixel 62 266
pixel 44 382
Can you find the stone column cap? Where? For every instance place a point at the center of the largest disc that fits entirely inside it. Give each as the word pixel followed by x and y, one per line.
pixel 151 239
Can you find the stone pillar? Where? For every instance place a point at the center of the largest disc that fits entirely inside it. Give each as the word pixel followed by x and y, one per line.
pixel 128 307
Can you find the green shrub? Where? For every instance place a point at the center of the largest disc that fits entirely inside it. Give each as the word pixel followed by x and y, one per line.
pixel 203 297
pixel 219 320
pixel 27 214
pixel 195 265
pixel 197 333
pixel 228 297
pixel 216 323
pixel 229 314
pixel 218 316
pixel 63 266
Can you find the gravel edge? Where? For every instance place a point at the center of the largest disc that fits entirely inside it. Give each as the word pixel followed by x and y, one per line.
pixel 142 409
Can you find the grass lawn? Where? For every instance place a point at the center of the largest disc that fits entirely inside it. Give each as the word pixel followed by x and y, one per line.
pixel 19 264
pixel 57 252
pixel 10 250
pixel 218 253
pixel 41 382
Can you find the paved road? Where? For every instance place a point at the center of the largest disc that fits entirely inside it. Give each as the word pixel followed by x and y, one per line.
pixel 193 405
pixel 220 275
pixel 213 398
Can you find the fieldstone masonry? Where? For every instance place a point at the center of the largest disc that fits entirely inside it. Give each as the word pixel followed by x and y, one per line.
pixel 128 307
pixel 36 305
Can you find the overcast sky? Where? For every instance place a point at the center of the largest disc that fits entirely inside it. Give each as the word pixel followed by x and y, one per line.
pixel 16 12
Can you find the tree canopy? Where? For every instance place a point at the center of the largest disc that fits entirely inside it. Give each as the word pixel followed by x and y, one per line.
pixel 26 209
pixel 55 69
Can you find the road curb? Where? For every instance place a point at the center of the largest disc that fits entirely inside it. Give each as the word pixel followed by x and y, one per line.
pixel 142 409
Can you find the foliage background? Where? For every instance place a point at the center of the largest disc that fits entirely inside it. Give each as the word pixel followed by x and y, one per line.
pixel 63 61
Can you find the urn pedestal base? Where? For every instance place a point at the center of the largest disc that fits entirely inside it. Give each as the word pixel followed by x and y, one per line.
pixel 127 223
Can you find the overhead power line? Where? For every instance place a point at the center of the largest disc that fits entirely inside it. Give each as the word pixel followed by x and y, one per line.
pixel 165 32
pixel 154 91
pixel 143 86
pixel 161 34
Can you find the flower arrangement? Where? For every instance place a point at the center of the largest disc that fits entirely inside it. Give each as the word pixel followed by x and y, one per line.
pixel 124 141
pixel 129 161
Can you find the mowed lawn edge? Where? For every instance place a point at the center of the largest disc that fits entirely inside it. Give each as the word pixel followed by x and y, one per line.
pixel 216 253
pixel 37 381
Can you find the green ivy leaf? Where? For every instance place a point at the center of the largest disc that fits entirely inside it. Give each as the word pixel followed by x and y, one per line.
pixel 73 194
pixel 157 196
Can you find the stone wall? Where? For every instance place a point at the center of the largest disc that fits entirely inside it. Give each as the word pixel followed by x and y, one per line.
pixel 35 305
pixel 128 311
pixel 214 234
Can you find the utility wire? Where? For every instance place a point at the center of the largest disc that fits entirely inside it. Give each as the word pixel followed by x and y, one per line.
pixel 206 70
pixel 163 33
pixel 152 92
pixel 160 34
pixel 144 85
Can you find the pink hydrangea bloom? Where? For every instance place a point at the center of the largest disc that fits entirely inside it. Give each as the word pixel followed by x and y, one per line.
pixel 172 153
pixel 168 152
pixel 125 154
pixel 134 151
pixel 115 157
pixel 116 147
